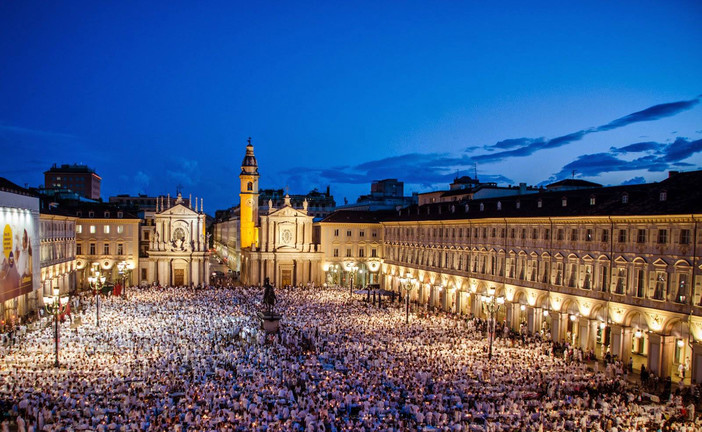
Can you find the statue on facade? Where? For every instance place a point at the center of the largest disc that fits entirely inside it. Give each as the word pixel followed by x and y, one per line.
pixel 268 296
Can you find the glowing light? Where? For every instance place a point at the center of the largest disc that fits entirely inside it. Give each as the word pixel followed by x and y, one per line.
pixel 522 308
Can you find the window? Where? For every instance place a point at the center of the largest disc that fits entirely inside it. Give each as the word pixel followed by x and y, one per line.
pixel 564 202
pixel 663 196
pixel 120 249
pixel 622 236
pixel 79 249
pixel 588 235
pixel 336 252
pixel 106 215
pixel 374 233
pixel 249 186
pixel 146 235
pixel 106 249
pixel 660 289
pixel 592 200
pixel 640 283
pixel 362 233
pixel 523 233
pixel 547 233
pixel 685 236
pixel 79 229
pixel 106 229
pixel 539 203
pixel 120 215
pixel 374 253
pixel 662 236
pixel 348 252
pixel 143 274
pixel 518 204
pixel 621 281
pixel 336 233
pixel 120 229
pixel 92 248
pixel 482 207
pixel 535 234
pixel 681 296
pixel 560 234
pixel 348 233
pixel 625 198
pixel 641 236
pixel 605 236
pixel 361 252
pixel 511 234
pixel 574 235
pixel 499 205
pixel 91 214
pixel 92 229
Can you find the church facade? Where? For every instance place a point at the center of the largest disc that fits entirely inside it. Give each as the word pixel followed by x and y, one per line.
pixel 278 245
pixel 178 253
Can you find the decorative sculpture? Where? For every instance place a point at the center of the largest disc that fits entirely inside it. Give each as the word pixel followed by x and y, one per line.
pixel 268 296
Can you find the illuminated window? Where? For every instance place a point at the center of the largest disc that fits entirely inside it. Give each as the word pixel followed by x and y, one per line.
pixel 120 229
pixel 79 229
pixel 106 229
pixel 106 249
pixel 92 229
pixel 120 249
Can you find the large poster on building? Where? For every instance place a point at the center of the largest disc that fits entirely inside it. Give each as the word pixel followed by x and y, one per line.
pixel 17 264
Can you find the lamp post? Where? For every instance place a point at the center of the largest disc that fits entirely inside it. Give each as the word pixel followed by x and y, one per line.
pixel 352 269
pixel 407 282
pixel 55 305
pixel 123 269
pixel 96 282
pixel 492 304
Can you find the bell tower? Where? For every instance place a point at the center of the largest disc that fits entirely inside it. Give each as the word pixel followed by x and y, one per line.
pixel 248 196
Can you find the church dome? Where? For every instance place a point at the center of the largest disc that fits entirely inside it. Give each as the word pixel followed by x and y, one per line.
pixel 249 164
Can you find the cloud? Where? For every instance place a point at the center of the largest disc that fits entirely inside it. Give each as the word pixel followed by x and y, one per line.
pixel 184 172
pixel 634 181
pixel 655 112
pixel 7 129
pixel 638 147
pixel 426 170
pixel 520 147
pixel 664 157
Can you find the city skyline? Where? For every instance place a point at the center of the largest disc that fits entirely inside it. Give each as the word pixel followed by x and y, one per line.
pixel 160 96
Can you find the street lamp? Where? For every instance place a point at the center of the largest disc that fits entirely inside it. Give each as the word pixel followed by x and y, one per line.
pixel 492 304
pixel 407 282
pixel 123 269
pixel 352 269
pixel 55 305
pixel 96 282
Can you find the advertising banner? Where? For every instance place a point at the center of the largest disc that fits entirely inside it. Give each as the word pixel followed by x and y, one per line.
pixel 16 260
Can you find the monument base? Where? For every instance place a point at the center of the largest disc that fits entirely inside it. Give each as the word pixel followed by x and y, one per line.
pixel 270 322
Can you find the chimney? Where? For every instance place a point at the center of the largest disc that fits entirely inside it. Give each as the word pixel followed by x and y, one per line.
pixel 522 188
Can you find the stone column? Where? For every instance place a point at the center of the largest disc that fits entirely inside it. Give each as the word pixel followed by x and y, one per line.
pixel 696 365
pixel 584 329
pixel 626 344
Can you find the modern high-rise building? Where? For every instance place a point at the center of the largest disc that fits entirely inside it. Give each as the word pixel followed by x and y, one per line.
pixel 78 178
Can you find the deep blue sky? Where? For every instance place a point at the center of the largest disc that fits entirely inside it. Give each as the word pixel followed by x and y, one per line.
pixel 156 94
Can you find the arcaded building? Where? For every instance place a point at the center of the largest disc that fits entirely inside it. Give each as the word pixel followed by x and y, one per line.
pixel 607 269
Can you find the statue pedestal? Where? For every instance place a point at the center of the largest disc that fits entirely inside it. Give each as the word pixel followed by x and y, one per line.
pixel 270 321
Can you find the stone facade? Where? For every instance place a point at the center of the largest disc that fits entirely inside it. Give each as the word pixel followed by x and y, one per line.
pixel 178 253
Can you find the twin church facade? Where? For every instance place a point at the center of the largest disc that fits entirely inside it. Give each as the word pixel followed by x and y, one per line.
pixel 609 269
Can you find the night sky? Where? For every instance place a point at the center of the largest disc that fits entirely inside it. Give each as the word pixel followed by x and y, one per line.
pixel 159 94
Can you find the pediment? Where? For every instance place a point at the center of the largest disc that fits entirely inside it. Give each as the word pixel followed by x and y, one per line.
pixel 660 262
pixel 180 210
pixel 621 260
pixel 288 211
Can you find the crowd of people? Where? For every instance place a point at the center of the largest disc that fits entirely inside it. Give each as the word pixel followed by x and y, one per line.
pixel 185 359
